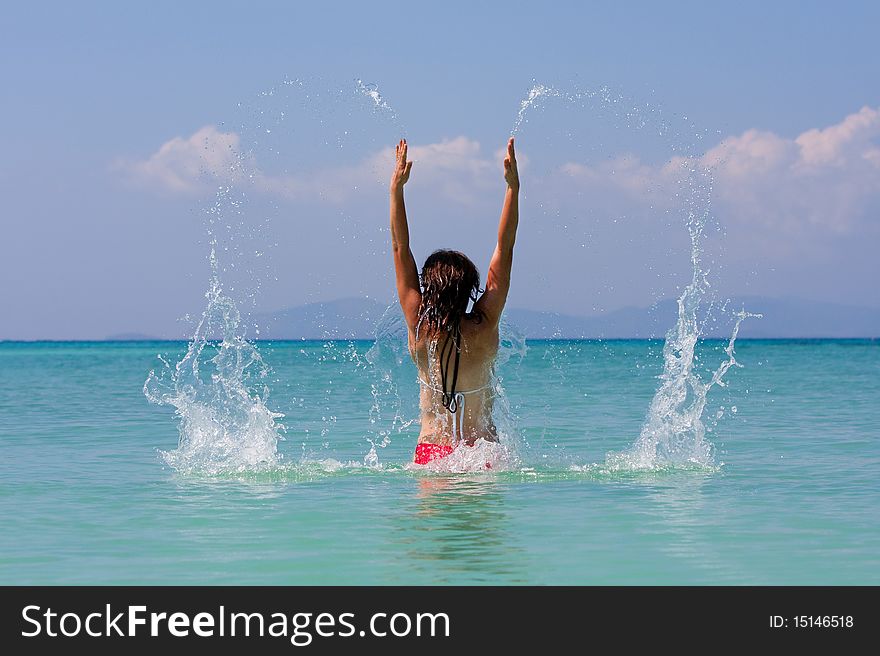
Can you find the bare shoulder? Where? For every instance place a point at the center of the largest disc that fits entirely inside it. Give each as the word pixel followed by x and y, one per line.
pixel 480 332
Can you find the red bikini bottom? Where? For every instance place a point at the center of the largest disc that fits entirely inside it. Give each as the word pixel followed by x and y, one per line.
pixel 426 452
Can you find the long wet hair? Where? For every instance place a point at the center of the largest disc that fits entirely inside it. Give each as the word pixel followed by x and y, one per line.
pixel 450 281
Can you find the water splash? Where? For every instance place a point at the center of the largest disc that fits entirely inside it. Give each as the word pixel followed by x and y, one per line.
pixel 219 388
pixel 535 93
pixel 541 92
pixel 393 410
pixel 673 434
pixel 371 90
pixel 219 392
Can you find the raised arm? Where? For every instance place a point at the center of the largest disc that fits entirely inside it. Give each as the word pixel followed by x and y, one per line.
pixel 408 290
pixel 491 303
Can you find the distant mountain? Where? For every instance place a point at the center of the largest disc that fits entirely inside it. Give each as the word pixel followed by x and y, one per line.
pixel 353 318
pixel 799 318
pixel 347 318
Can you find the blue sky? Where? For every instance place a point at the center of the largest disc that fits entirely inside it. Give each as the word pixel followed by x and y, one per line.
pixel 92 90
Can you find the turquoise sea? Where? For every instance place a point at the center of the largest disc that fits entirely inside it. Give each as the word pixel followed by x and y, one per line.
pixel 791 495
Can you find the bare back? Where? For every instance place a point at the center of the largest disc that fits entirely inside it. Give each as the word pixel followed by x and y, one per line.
pixel 472 418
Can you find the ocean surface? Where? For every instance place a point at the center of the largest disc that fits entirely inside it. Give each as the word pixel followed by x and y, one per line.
pixel 790 494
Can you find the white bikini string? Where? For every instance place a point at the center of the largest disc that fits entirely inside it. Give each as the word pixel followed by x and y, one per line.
pixel 459 406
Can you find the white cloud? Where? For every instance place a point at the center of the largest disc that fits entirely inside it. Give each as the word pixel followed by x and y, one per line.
pixel 823 179
pixel 186 164
pixel 453 168
pixel 840 144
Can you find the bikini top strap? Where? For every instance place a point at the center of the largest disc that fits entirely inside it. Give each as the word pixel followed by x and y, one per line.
pixel 455 398
pixel 445 354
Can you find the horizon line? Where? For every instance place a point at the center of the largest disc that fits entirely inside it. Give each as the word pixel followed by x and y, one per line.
pixel 299 340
